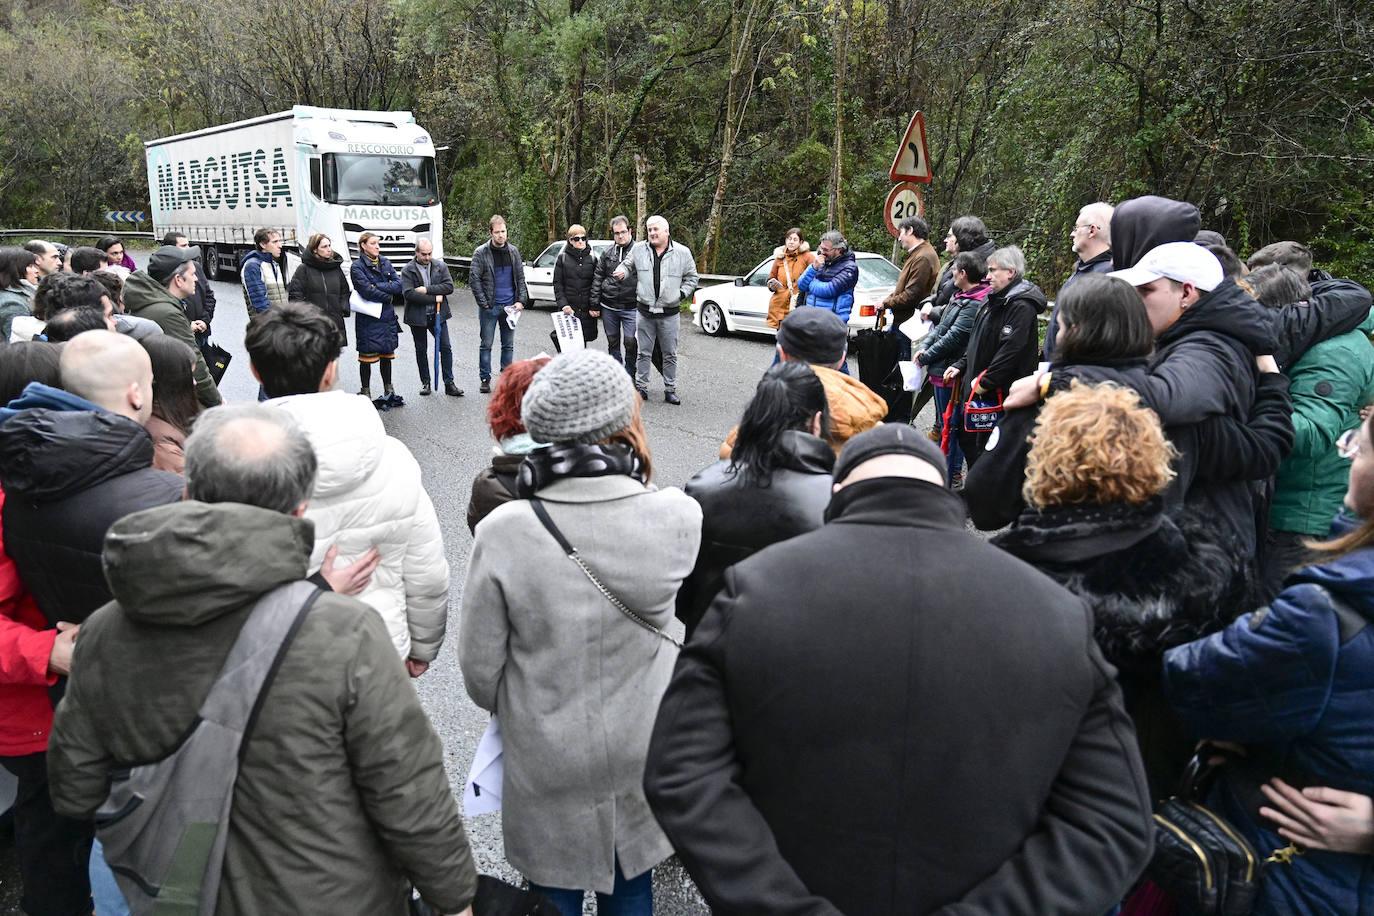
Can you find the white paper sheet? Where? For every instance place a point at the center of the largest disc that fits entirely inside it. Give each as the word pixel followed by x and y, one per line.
pixel 913 375
pixel 915 327
pixel 482 795
pixel 569 331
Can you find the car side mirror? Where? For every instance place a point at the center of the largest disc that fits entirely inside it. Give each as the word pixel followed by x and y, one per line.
pixel 739 281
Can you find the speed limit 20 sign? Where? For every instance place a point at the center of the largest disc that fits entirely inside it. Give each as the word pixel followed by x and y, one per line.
pixel 902 201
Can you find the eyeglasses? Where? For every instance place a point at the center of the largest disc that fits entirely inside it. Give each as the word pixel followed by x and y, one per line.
pixel 1348 445
pixel 578 238
pixel 1084 226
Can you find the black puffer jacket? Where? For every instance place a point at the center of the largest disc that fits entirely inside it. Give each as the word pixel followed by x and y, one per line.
pixel 322 283
pixel 740 518
pixel 573 273
pixel 607 291
pixel 1004 341
pixel 1152 583
pixel 71 470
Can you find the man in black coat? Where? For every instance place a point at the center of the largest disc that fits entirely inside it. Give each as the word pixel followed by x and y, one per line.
pixel 427 285
pixel 835 741
pixel 615 299
pixel 73 461
pixel 1092 243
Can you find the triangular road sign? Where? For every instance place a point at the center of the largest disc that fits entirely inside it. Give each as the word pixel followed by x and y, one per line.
pixel 912 162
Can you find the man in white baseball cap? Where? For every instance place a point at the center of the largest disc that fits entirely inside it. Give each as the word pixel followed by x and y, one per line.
pixel 1171 278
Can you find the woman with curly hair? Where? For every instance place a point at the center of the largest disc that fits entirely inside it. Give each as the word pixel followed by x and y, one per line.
pixel 1095 521
pixel 495 484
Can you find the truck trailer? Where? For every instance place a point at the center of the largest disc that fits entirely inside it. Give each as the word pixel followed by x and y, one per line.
pixel 302 171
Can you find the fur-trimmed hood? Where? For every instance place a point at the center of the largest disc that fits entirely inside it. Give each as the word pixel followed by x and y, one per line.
pixel 1153 582
pixel 782 249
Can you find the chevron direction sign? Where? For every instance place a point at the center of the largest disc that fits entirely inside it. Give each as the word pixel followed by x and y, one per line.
pixel 126 216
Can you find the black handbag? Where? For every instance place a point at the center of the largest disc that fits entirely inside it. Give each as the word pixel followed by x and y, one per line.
pixel 495 898
pixel 217 359
pixel 1200 860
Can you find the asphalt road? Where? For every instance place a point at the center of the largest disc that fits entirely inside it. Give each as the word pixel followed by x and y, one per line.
pixel 449 437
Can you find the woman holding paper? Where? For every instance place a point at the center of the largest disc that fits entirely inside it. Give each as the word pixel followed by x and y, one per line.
pixel 375 284
pixel 789 263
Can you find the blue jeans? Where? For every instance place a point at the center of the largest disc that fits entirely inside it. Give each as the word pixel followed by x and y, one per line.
pixel 489 319
pixel 629 897
pixel 109 900
pixel 620 326
pixel 954 464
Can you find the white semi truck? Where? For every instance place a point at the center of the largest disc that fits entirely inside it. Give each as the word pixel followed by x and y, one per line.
pixel 301 171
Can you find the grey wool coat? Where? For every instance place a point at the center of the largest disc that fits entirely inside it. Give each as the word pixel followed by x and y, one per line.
pixel 576 683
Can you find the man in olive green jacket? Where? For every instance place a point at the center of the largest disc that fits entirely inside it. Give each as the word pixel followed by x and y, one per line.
pixel 157 294
pixel 341 802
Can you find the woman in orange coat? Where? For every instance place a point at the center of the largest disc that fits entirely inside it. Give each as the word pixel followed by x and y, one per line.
pixel 790 261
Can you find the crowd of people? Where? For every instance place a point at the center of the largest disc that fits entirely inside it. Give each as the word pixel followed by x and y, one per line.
pixel 874 708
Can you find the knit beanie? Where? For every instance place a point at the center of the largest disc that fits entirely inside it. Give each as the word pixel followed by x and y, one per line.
pixel 580 396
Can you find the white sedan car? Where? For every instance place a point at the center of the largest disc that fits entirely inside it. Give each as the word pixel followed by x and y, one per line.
pixel 539 272
pixel 728 308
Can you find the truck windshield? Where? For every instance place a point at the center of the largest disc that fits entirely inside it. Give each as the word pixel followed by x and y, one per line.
pixel 380 180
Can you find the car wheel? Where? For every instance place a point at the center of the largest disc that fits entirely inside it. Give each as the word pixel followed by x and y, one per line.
pixel 713 320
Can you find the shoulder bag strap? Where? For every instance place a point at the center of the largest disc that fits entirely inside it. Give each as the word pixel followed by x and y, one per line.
pixel 571 551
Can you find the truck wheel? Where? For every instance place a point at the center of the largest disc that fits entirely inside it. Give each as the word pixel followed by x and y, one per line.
pixel 213 264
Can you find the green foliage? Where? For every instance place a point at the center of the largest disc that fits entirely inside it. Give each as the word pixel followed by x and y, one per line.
pixel 1258 111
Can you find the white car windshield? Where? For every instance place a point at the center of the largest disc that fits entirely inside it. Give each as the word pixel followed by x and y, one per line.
pixel 875 273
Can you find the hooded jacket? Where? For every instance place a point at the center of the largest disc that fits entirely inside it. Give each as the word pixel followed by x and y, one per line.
pixel 323 284
pixel 829 744
pixel 787 269
pixel 1004 341
pixel 854 407
pixel 1294 683
pixel 341 799
pixel 263 283
pixel 368 493
pixel 831 284
pixel 1142 223
pixel 1152 583
pixel 739 517
pixel 71 469
pixel 146 298
pixel 575 682
pixel 1330 383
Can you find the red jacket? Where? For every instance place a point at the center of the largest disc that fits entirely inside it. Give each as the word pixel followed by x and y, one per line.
pixel 25 645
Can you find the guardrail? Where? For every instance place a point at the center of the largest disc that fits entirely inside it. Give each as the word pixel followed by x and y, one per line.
pixel 461 266
pixel 70 233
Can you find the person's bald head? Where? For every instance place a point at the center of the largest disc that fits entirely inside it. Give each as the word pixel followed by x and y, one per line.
pixel 110 370
pixel 250 454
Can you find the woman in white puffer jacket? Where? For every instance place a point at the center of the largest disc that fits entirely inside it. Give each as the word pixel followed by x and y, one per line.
pixel 368 493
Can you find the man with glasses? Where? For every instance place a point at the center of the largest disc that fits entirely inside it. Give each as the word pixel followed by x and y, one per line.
pixel 616 298
pixel 1091 237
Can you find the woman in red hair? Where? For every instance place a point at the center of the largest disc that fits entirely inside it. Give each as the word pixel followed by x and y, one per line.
pixel 495 485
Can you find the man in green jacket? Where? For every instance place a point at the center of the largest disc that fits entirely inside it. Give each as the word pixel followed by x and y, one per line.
pixel 341 802
pixel 158 293
pixel 1329 385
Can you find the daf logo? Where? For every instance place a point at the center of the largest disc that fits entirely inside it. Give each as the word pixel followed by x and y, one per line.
pixel 392 238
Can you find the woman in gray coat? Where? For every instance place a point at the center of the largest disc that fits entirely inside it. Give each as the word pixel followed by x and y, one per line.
pixel 575 678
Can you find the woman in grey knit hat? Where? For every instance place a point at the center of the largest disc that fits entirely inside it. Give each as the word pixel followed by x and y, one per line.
pixel 574 654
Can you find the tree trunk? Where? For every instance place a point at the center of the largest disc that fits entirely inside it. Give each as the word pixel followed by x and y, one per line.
pixel 834 210
pixel 641 194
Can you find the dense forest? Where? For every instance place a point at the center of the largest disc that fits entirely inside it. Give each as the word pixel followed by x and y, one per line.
pixel 738 118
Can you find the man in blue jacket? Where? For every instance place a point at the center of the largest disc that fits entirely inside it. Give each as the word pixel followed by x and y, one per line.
pixel 830 282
